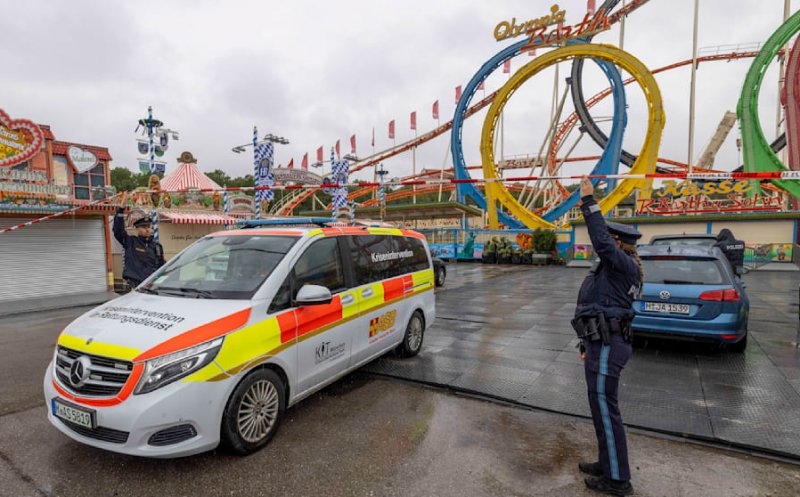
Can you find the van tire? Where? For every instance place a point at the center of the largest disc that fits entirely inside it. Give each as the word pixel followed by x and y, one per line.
pixel 441 274
pixel 412 340
pixel 260 388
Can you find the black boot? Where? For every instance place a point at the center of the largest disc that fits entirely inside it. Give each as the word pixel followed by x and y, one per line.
pixel 591 468
pixel 608 486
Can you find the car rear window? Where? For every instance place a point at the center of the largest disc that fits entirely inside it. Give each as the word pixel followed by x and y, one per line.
pixel 697 242
pixel 683 271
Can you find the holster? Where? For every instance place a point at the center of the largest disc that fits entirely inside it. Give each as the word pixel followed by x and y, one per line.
pixel 595 327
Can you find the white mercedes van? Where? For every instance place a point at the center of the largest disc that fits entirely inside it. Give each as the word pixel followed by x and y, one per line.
pixel 213 347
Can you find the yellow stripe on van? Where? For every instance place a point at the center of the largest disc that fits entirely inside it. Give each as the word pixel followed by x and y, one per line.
pixel 370 303
pixel 314 232
pixel 385 231
pixel 422 280
pixel 98 348
pixel 249 343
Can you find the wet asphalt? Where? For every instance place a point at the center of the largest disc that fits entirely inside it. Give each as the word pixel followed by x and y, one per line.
pixel 362 436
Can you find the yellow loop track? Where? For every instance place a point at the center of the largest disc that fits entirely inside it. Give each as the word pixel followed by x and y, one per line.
pixel 645 162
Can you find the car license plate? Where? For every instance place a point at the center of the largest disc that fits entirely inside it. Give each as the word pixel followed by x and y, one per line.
pixel 665 308
pixel 82 417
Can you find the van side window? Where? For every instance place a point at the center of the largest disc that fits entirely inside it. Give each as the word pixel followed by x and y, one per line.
pixel 283 298
pixel 418 261
pixel 320 264
pixel 371 256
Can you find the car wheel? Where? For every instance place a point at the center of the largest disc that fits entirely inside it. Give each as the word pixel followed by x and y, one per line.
pixel 741 345
pixel 254 412
pixel 412 341
pixel 440 276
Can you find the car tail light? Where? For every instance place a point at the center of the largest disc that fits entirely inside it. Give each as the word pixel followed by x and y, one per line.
pixel 727 295
pixel 730 295
pixel 728 337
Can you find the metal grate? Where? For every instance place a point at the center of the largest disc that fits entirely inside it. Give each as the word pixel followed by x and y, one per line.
pixel 100 433
pixel 106 376
pixel 172 435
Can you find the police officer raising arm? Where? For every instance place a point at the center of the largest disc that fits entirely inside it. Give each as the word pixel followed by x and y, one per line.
pixel 602 321
pixel 142 254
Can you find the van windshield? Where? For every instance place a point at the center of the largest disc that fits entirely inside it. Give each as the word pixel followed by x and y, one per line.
pixel 221 267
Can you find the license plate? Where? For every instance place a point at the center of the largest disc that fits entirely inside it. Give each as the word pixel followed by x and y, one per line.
pixel 665 308
pixel 82 417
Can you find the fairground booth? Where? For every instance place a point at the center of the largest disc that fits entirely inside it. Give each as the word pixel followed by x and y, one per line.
pixel 67 257
pixel 189 213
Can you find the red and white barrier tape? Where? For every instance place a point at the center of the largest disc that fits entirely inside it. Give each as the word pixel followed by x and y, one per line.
pixel 786 175
pixel 57 214
pixel 765 175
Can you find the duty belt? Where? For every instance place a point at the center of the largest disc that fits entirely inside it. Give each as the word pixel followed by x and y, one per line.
pixel 598 327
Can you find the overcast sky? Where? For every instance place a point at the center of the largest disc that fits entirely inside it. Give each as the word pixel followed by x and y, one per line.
pixel 316 71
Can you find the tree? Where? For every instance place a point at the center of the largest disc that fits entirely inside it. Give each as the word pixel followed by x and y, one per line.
pixel 124 180
pixel 220 177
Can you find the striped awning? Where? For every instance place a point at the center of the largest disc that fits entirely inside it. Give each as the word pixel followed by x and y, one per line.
pixel 187 176
pixel 195 217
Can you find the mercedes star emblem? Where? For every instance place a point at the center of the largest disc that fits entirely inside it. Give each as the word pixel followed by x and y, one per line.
pixel 665 295
pixel 79 371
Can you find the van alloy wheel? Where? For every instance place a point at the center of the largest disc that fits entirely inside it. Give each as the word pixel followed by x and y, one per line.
pixel 412 340
pixel 254 411
pixel 258 411
pixel 415 333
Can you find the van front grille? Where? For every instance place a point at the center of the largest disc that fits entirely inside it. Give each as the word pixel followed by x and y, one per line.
pixel 106 376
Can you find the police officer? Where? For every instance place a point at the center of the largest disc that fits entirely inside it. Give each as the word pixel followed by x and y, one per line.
pixel 602 321
pixel 142 254
pixel 733 250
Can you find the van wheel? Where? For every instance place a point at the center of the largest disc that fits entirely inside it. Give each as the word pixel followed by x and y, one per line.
pixel 739 346
pixel 412 341
pixel 440 276
pixel 254 412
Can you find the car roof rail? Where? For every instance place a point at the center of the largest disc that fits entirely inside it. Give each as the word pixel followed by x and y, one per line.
pixel 287 221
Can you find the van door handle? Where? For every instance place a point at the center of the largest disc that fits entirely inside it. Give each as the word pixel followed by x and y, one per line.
pixel 348 299
pixel 367 293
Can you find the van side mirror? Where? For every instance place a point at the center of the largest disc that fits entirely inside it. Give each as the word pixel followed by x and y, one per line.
pixel 313 295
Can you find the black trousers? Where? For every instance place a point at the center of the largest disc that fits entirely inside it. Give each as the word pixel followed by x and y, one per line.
pixel 603 366
pixel 133 283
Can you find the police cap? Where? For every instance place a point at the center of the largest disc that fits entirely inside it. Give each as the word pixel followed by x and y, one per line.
pixel 143 222
pixel 625 234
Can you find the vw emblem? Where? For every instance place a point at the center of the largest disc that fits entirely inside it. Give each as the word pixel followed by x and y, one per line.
pixel 664 294
pixel 79 371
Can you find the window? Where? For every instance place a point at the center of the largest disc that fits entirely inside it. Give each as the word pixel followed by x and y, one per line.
pixel 95 177
pixel 222 267
pixel 320 264
pixel 374 258
pixel 687 271
pixel 419 259
pixel 283 298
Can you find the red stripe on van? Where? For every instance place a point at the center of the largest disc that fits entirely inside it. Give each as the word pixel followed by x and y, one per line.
pixel 397 287
pixel 313 317
pixel 413 234
pixel 287 325
pixel 196 336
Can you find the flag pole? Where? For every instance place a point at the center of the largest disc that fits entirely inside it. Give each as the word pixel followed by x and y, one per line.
pixel 256 172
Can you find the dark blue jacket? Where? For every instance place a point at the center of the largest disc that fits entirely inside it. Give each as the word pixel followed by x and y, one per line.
pixel 611 286
pixel 142 255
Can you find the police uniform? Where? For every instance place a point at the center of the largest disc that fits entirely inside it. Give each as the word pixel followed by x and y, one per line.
pixel 733 250
pixel 602 319
pixel 142 255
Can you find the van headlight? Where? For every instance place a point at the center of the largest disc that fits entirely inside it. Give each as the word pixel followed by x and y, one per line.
pixel 171 367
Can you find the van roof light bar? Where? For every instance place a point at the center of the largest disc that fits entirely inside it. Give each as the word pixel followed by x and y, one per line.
pixel 289 221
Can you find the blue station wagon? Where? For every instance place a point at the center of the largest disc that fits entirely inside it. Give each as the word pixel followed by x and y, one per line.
pixel 691 293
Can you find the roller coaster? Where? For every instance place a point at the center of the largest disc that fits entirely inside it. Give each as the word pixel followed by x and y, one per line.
pixel 542 204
